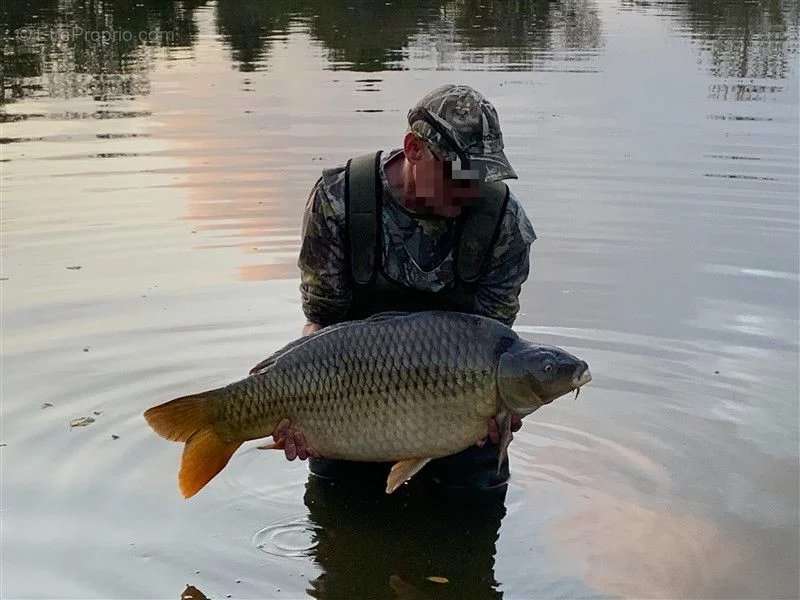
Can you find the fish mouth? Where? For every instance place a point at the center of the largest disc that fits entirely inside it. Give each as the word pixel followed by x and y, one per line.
pixel 580 379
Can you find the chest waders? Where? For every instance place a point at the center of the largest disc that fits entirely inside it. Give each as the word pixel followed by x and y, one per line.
pixel 373 291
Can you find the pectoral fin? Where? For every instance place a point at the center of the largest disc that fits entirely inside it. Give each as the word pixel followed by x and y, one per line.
pixel 402 471
pixel 504 425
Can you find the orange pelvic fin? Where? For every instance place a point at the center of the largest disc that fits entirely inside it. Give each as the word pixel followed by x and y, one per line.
pixel 402 471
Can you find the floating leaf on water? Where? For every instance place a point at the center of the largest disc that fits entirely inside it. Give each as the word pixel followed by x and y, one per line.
pixel 437 579
pixel 86 349
pixel 74 267
pixel 114 436
pixel 192 593
pixel 97 413
pixel 81 422
pixel 47 405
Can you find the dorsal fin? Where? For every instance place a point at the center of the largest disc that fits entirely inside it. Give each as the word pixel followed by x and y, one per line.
pixel 273 358
pixel 389 314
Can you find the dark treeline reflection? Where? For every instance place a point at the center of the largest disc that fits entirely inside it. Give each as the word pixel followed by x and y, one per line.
pixel 103 48
pixel 738 38
pixel 359 35
pixel 96 48
pixel 250 27
pixel 521 29
pixel 362 35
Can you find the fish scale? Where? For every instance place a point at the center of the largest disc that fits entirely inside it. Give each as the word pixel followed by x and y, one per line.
pixel 416 380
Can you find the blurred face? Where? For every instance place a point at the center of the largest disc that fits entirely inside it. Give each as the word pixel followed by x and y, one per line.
pixel 442 188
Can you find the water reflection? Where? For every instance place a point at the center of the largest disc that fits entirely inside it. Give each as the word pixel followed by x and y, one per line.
pixel 104 49
pixel 679 546
pixel 406 545
pixel 490 31
pixel 98 49
pixel 754 39
pixel 250 27
pixel 352 41
pixel 525 29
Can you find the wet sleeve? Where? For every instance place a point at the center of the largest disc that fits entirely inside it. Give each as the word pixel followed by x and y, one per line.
pixel 324 281
pixel 497 295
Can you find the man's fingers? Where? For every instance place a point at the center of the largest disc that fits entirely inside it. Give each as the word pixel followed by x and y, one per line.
pixel 280 430
pixel 291 441
pixel 300 443
pixel 291 448
pixel 494 433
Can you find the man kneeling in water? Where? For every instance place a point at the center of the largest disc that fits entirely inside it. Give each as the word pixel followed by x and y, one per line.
pixel 429 226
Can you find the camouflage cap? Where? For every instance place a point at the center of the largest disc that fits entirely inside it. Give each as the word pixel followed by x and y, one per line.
pixel 469 119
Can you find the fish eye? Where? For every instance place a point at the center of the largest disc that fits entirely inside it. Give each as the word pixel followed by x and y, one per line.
pixel 548 367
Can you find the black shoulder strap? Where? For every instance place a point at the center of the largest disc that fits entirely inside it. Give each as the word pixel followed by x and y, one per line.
pixel 479 230
pixel 363 191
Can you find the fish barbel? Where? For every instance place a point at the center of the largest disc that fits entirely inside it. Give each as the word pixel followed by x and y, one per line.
pixel 396 387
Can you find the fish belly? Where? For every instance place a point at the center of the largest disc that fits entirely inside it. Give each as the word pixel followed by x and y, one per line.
pixel 389 429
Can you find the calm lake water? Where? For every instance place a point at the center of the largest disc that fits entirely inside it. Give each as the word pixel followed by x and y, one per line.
pixel 156 157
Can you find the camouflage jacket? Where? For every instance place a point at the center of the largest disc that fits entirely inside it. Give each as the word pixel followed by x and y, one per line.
pixel 417 252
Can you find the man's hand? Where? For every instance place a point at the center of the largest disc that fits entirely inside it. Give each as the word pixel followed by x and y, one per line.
pixel 494 430
pixel 310 327
pixel 291 441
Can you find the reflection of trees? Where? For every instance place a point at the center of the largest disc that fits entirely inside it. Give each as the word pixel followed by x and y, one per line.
pixel 525 27
pixel 248 26
pixel 363 35
pixel 750 39
pixel 514 34
pixel 97 49
pixel 102 48
pixel 360 35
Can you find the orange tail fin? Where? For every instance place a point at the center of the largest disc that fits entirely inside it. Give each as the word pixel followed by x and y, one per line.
pixel 204 455
pixel 191 419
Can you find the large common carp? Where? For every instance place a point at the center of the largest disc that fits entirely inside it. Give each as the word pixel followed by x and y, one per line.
pixel 399 387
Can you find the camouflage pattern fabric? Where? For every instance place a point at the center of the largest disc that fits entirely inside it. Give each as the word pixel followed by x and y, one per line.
pixel 472 120
pixel 417 252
